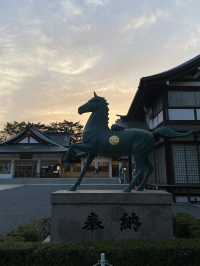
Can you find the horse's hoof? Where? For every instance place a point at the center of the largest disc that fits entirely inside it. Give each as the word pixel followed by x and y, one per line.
pixel 140 189
pixel 73 188
pixel 128 189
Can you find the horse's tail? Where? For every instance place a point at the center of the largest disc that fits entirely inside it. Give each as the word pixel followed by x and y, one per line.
pixel 167 132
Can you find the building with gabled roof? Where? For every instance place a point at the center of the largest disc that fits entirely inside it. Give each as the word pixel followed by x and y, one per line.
pixel 32 153
pixel 172 98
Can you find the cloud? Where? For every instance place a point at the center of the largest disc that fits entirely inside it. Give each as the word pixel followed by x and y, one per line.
pixel 193 40
pixel 81 28
pixel 55 53
pixel 70 8
pixel 67 66
pixel 144 20
pixel 97 2
pixel 183 3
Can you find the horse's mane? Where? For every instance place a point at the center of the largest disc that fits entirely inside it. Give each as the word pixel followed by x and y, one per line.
pixel 105 104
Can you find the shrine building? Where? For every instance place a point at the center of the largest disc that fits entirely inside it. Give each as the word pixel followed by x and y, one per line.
pixel 172 99
pixel 32 153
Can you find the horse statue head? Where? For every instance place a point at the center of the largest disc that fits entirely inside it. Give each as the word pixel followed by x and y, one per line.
pixel 98 120
pixel 95 104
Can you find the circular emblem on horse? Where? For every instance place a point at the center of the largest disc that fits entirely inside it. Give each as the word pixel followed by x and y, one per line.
pixel 114 140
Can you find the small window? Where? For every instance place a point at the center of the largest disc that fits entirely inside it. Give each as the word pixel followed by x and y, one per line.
pixel 5 167
pixel 182 98
pixel 181 114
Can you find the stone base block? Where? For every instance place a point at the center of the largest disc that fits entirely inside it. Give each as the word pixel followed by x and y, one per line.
pixel 99 215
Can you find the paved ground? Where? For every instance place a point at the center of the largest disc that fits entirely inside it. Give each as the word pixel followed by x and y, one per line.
pixel 193 209
pixel 5 187
pixel 21 204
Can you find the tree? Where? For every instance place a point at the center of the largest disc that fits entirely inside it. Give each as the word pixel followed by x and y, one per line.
pixel 74 129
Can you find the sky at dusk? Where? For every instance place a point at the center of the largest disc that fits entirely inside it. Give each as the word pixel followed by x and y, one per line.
pixel 55 53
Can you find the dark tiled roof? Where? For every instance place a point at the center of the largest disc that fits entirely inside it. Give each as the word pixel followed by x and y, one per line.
pixel 57 140
pixel 60 138
pixel 173 71
pixel 42 136
pixel 154 84
pixel 48 143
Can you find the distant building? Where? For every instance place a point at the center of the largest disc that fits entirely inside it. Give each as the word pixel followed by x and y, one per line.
pixel 35 154
pixel 172 98
pixel 32 153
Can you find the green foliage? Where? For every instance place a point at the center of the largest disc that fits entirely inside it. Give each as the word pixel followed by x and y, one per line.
pixel 13 128
pixel 186 226
pixel 129 253
pixel 35 232
pixel 16 253
pixel 16 249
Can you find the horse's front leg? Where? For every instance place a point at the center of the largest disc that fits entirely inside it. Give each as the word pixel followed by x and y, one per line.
pixel 84 170
pixel 71 153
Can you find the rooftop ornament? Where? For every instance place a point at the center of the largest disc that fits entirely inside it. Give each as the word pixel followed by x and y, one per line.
pixel 99 139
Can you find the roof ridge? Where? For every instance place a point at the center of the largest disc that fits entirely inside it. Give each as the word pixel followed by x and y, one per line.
pixel 44 137
pixel 36 132
pixel 180 67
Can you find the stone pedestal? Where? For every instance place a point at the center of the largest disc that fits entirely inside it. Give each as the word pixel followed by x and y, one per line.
pixel 99 215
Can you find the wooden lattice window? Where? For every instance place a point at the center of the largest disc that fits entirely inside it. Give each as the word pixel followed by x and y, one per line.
pixel 186 164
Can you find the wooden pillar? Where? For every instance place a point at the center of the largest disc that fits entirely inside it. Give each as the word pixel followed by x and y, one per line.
pixel 119 168
pixel 12 170
pixel 130 168
pixel 169 163
pixel 38 168
pixel 96 163
pixel 110 167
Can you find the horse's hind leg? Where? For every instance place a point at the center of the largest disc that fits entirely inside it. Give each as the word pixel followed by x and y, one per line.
pixel 140 167
pixel 149 172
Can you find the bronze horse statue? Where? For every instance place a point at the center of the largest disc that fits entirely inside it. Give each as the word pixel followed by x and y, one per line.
pixel 99 139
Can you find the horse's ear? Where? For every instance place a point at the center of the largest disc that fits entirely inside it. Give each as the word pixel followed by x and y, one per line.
pixel 95 95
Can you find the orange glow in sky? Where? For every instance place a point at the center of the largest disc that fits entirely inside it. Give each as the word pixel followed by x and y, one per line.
pixel 54 54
